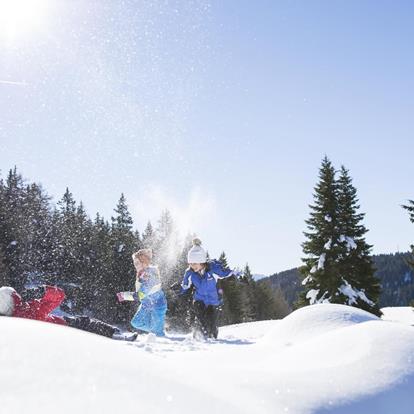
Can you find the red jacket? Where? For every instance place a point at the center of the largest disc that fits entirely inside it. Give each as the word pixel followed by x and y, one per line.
pixel 40 309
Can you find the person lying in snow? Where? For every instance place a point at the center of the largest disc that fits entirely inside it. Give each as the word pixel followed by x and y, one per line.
pixel 203 275
pixel 150 316
pixel 48 299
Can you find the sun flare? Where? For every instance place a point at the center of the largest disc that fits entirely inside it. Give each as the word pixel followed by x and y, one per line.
pixel 19 17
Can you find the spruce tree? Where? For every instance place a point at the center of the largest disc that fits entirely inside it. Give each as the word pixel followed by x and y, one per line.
pixel 249 289
pixel 359 288
pixel 148 237
pixel 83 254
pixel 322 246
pixel 4 274
pixel 102 295
pixel 338 267
pixel 269 304
pixel 223 260
pixel 410 208
pixel 65 249
pixel 13 237
pixel 233 310
pixel 37 224
pixel 123 244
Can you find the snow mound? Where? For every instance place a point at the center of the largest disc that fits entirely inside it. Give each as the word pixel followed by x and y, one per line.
pixel 320 359
pixel 403 314
pixel 311 321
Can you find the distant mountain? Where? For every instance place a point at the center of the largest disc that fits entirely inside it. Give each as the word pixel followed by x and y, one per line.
pixel 395 275
pixel 257 277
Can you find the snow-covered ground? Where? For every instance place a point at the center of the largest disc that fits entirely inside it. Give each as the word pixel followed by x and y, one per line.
pixel 319 359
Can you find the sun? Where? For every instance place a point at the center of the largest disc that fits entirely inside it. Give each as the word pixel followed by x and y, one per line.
pixel 21 17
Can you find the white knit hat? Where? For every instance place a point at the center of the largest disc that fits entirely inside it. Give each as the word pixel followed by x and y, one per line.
pixel 6 301
pixel 197 254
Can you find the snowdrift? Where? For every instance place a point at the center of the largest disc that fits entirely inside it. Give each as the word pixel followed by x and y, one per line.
pixel 322 358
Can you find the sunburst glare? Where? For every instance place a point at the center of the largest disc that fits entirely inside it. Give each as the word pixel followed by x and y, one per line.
pixel 21 17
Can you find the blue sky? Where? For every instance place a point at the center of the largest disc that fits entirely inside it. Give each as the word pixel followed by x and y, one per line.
pixel 220 111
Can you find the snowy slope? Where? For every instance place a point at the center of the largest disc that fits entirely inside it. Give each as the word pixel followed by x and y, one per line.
pixel 403 314
pixel 322 358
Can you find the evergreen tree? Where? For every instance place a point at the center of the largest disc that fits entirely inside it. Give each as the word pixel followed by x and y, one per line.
pixel 269 304
pixel 123 244
pixel 101 297
pixel 338 268
pixel 410 208
pixel 4 275
pixel 251 309
pixel 148 237
pixel 83 254
pixel 13 237
pixel 4 279
pixel 65 249
pixel 233 309
pixel 223 260
pixel 359 286
pixel 322 246
pixel 37 225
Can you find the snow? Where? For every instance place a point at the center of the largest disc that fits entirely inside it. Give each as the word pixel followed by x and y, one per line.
pixel 328 244
pixel 319 359
pixel 403 314
pixel 353 294
pixel 258 276
pixel 321 261
pixel 350 242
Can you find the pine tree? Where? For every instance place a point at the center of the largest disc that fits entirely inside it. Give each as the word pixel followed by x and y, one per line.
pixel 322 246
pixel 65 249
pixel 148 237
pixel 338 267
pixel 123 244
pixel 101 297
pixel 37 223
pixel 251 309
pixel 410 208
pixel 4 279
pixel 13 237
pixel 223 260
pixel 83 254
pixel 359 286
pixel 270 305
pixel 233 310
pixel 4 275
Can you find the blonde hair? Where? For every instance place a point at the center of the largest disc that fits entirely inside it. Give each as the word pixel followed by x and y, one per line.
pixel 142 252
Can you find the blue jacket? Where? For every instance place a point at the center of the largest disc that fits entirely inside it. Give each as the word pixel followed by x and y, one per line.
pixel 205 285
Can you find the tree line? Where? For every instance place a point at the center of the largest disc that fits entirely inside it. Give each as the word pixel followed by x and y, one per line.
pixel 90 258
pixel 59 244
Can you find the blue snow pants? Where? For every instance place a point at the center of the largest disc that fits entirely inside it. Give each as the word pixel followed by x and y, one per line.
pixel 150 316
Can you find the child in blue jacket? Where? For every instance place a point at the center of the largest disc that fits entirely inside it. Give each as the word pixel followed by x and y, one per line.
pixel 150 316
pixel 203 276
